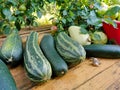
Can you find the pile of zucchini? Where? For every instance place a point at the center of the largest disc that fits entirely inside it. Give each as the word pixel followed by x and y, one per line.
pixel 52 57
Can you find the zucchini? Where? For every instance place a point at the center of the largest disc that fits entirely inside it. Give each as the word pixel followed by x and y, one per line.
pixel 59 66
pixel 11 49
pixel 7 82
pixel 36 65
pixel 70 50
pixel 102 51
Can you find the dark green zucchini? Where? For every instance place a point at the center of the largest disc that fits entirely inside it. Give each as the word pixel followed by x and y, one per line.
pixel 103 51
pixel 11 49
pixel 47 45
pixel 6 80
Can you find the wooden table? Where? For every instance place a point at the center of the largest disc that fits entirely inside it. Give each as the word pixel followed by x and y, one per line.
pixel 84 76
pixel 81 77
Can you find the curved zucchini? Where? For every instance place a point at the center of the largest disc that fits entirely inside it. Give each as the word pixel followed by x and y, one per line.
pixel 37 66
pixel 6 80
pixel 102 51
pixel 47 45
pixel 11 49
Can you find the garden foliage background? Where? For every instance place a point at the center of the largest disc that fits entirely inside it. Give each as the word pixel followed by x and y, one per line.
pixel 89 14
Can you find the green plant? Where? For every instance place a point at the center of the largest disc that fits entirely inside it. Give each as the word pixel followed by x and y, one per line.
pixel 77 12
pixel 19 13
pixel 88 13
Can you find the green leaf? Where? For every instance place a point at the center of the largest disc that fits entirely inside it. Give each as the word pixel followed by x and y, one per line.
pixel 84 13
pixel 92 19
pixel 83 25
pixel 63 20
pixel 6 29
pixel 17 12
pixel 51 1
pixel 110 21
pixel 39 14
pixel 1 7
pixel 113 10
pixel 6 12
pixel 71 14
pixel 64 12
pixel 97 5
pixel 1 23
pixel 13 2
pixel 12 18
pixel 69 19
pixel 83 30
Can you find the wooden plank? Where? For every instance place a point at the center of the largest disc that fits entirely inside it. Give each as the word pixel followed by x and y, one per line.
pixel 115 85
pixel 29 29
pixel 77 76
pixel 108 79
pixel 22 82
pixel 37 29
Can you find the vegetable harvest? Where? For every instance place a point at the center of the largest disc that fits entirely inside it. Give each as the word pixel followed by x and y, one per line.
pixel 77 34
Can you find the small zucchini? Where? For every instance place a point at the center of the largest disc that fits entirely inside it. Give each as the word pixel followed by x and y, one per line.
pixel 47 45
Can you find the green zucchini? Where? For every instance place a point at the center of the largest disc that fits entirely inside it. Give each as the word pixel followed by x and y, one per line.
pixel 11 49
pixel 102 51
pixel 47 45
pixel 7 81
pixel 36 65
pixel 71 51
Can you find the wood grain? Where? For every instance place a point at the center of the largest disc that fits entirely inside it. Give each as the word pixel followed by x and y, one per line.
pixel 84 77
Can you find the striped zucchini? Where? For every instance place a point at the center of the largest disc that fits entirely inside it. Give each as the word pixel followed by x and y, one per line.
pixel 59 66
pixel 72 52
pixel 11 50
pixel 36 65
